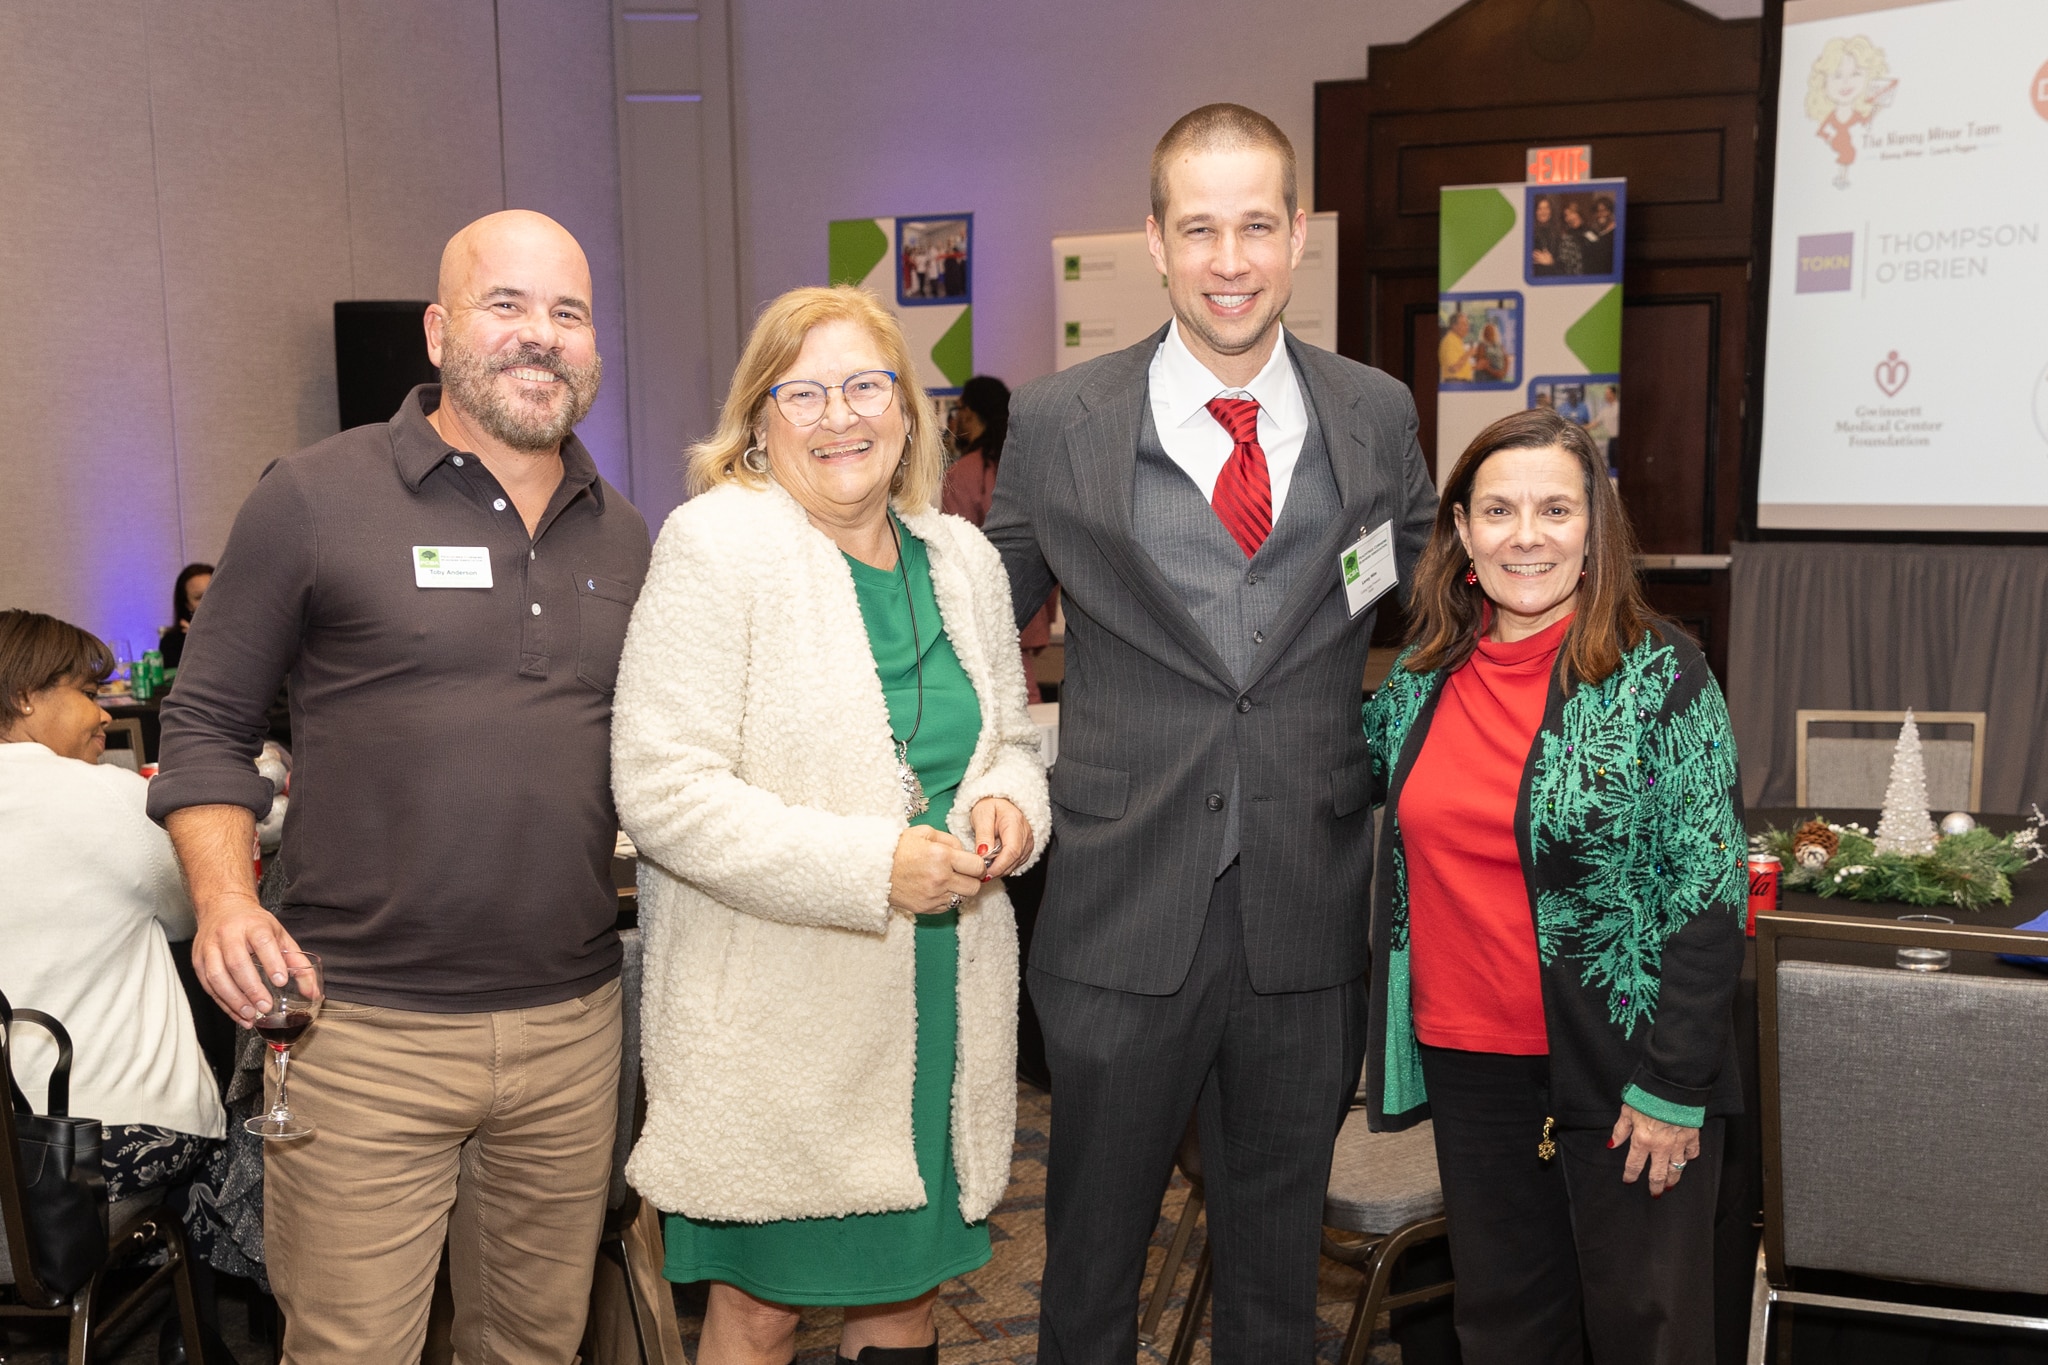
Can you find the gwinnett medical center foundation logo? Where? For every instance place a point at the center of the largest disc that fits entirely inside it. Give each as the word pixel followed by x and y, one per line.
pixel 1891 374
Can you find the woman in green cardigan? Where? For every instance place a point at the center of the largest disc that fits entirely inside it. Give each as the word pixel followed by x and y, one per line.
pixel 1557 925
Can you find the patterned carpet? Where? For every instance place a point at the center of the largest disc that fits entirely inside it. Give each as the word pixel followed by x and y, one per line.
pixel 991 1316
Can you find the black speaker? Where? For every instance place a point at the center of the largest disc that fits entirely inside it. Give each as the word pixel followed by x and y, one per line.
pixel 380 352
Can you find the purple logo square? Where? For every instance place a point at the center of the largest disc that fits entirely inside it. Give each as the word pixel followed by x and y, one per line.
pixel 1825 263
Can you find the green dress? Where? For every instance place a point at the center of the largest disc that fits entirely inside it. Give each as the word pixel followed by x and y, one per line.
pixel 882 1257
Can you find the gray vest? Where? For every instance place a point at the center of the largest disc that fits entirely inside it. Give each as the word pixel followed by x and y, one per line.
pixel 1232 600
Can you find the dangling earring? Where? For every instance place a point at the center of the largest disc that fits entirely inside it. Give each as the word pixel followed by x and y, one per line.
pixel 1471 575
pixel 755 459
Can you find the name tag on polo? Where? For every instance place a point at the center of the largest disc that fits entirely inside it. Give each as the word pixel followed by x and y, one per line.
pixel 451 566
pixel 1366 567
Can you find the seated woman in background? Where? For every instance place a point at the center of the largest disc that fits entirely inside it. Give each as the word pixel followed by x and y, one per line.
pixel 820 746
pixel 193 581
pixel 979 424
pixel 91 889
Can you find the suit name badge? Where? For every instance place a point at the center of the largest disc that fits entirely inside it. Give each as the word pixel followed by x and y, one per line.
pixel 451 566
pixel 1366 568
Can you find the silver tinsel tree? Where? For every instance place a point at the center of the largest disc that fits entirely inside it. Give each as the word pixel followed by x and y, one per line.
pixel 1905 826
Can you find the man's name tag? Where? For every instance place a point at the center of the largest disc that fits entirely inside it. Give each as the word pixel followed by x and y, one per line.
pixel 1367 568
pixel 451 566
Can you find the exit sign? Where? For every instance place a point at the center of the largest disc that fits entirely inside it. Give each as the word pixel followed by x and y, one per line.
pixel 1559 165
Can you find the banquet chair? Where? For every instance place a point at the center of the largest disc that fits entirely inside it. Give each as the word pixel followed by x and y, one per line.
pixel 129 753
pixel 632 1311
pixel 1902 1112
pixel 1384 1198
pixel 1852 773
pixel 137 1225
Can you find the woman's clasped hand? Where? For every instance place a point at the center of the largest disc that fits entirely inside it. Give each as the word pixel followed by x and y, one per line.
pixel 934 872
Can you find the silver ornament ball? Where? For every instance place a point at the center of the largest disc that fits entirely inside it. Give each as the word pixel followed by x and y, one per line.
pixel 1957 822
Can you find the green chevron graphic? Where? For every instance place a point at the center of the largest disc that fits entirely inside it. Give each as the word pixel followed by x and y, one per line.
pixel 953 353
pixel 1596 337
pixel 1472 222
pixel 855 247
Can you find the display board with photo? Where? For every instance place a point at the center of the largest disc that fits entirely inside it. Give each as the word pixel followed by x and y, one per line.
pixel 933 260
pixel 1479 341
pixel 1574 236
pixel 1591 400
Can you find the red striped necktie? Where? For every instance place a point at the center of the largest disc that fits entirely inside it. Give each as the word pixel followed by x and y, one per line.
pixel 1244 490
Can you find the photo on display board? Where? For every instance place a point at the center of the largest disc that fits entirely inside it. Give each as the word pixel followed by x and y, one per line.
pixel 933 260
pixel 1591 400
pixel 1479 341
pixel 1573 236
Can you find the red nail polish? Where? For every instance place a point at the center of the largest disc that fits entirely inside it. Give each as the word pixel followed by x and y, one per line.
pixel 1658 1195
pixel 1610 1144
pixel 981 850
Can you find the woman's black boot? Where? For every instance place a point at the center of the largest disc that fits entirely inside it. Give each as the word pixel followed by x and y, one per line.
pixel 896 1355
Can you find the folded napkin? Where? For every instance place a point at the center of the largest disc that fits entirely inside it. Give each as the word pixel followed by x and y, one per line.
pixel 2039 924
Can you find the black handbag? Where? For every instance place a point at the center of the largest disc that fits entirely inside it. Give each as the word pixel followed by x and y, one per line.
pixel 59 1159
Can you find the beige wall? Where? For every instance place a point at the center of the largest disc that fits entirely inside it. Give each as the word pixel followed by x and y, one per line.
pixel 187 187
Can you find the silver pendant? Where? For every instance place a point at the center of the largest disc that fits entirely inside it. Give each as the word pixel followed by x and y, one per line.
pixel 914 802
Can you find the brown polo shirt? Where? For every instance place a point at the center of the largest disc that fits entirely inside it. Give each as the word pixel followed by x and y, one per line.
pixel 448 846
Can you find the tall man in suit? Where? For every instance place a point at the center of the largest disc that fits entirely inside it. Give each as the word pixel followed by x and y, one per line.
pixel 1202 944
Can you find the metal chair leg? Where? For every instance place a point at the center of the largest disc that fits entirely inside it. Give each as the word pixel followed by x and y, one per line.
pixel 654 1307
pixel 1169 1269
pixel 1190 1329
pixel 1759 1312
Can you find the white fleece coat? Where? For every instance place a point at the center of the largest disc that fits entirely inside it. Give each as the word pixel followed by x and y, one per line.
pixel 753 766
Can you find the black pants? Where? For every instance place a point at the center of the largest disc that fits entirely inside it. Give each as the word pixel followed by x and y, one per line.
pixel 1551 1257
pixel 1274 1075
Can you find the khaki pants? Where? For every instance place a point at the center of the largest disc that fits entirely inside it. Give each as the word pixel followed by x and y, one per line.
pixel 491 1132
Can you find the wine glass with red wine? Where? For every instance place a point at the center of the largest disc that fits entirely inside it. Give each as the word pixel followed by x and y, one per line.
pixel 292 1009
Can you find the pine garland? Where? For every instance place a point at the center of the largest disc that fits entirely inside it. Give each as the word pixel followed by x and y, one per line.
pixel 1970 870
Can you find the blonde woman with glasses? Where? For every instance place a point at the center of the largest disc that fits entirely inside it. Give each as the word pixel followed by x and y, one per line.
pixel 820 746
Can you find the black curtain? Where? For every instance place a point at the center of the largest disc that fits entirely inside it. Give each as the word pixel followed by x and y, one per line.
pixel 1882 628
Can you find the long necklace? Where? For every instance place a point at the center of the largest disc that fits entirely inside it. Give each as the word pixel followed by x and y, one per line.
pixel 914 801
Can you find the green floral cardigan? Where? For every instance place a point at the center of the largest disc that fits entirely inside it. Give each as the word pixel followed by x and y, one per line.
pixel 1630 829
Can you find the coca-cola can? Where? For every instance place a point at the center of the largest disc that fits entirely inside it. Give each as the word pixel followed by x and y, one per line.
pixel 1763 886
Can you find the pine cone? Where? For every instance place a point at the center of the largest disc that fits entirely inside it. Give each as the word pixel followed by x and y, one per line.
pixel 1813 843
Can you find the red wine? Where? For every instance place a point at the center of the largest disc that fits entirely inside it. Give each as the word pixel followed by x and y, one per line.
pixel 285 1032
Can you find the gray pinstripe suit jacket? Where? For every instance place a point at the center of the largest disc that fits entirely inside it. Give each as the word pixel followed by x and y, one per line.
pixel 1152 722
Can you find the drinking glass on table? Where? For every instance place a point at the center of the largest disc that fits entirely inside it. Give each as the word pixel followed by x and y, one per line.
pixel 1923 959
pixel 292 1009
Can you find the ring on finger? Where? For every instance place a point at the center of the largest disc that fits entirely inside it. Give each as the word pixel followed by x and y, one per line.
pixel 953 902
pixel 1677 1164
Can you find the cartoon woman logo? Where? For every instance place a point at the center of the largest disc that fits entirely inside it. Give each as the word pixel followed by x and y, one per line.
pixel 1848 85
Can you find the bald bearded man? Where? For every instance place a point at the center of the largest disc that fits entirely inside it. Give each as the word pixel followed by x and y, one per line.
pixel 447 594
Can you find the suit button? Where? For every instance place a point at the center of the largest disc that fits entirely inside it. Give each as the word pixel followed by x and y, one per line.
pixel 1215 801
pixel 1244 704
pixel 1258 637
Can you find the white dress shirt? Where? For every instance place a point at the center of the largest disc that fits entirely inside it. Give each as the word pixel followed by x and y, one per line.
pixel 1181 389
pixel 90 890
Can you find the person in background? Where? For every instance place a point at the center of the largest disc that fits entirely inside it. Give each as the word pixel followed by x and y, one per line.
pixel 448 594
pixel 1454 353
pixel 1543 235
pixel 88 902
pixel 823 755
pixel 193 581
pixel 1201 944
pixel 980 424
pixel 1557 924
pixel 1600 237
pixel 1490 358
